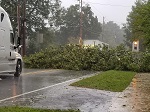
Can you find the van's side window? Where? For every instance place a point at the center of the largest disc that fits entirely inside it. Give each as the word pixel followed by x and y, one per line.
pixel 2 17
pixel 12 39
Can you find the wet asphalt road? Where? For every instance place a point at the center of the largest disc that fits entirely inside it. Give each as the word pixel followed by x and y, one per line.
pixel 50 89
pixel 32 79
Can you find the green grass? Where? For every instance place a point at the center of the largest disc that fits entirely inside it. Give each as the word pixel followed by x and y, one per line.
pixel 115 81
pixel 26 109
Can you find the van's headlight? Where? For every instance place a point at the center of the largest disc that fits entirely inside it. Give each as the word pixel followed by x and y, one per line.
pixel 17 55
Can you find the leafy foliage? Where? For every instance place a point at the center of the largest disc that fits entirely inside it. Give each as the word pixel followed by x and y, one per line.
pixel 68 24
pixel 127 35
pixel 36 12
pixel 138 24
pixel 35 46
pixel 112 34
pixel 80 58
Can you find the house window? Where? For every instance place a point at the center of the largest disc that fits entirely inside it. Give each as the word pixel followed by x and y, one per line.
pixel 2 17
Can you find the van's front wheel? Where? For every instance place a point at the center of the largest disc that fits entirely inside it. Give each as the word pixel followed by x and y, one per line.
pixel 18 68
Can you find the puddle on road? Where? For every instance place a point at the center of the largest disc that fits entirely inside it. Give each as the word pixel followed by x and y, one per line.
pixel 25 100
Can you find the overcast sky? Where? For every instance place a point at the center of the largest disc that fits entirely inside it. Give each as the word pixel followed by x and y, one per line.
pixel 112 10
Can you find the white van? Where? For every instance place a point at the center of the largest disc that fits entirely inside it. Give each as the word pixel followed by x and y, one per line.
pixel 10 59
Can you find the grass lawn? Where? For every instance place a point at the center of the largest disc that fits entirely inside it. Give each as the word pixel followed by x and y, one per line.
pixel 26 109
pixel 112 80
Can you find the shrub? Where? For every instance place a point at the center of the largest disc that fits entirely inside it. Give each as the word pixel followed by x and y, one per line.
pixel 74 57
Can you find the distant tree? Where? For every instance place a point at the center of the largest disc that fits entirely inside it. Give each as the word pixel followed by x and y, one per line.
pixel 127 35
pixel 112 34
pixel 73 40
pixel 35 46
pixel 36 11
pixel 68 24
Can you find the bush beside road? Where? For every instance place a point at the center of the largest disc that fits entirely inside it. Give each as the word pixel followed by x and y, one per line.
pixel 79 58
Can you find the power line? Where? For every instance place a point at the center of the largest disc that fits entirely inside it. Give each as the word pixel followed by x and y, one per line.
pixel 101 14
pixel 109 4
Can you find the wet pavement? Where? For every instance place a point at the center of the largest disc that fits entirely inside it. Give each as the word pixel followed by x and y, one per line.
pixel 59 95
pixel 67 97
pixel 33 79
pixel 50 89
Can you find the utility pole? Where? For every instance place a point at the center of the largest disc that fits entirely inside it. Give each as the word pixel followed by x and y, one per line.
pixel 103 29
pixel 24 29
pixel 18 18
pixel 19 26
pixel 81 25
pixel 21 21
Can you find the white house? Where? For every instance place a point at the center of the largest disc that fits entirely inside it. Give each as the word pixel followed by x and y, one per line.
pixel 93 43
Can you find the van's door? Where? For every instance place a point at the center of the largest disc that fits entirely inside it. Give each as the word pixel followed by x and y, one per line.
pixel 3 59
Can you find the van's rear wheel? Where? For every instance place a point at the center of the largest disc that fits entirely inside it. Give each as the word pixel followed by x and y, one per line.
pixel 18 68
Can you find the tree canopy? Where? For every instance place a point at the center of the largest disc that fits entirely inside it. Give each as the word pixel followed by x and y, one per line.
pixel 138 23
pixel 112 34
pixel 69 24
pixel 37 11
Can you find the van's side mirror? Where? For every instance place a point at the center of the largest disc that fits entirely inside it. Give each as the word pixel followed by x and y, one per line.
pixel 18 43
pixel 19 47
